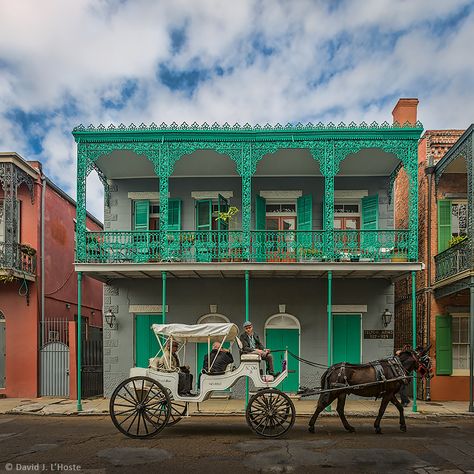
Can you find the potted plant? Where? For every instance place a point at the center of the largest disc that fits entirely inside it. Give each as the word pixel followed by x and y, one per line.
pixel 7 277
pixel 399 256
pixel 456 240
pixel 227 217
pixel 27 250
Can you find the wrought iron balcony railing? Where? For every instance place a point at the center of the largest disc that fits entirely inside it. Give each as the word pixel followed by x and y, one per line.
pixel 453 260
pixel 17 257
pixel 257 246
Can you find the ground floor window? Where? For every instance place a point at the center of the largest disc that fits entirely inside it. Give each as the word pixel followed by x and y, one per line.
pixel 460 341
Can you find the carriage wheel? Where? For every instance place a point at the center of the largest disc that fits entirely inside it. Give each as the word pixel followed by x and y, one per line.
pixel 140 407
pixel 270 413
pixel 178 410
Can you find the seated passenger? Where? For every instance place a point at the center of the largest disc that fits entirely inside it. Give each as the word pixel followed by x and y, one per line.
pixel 219 359
pixel 170 363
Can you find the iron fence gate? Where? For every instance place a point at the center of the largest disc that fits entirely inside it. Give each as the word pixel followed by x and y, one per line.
pixel 54 358
pixel 92 368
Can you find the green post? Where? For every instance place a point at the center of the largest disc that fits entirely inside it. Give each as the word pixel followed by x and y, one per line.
pixel 163 296
pixel 329 323
pixel 79 341
pixel 413 322
pixel 247 316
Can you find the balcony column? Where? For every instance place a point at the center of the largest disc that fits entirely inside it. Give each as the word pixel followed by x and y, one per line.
pixel 81 251
pixel 413 323
pixel 329 315
pixel 246 175
pixel 411 168
pixel 162 170
pixel 328 168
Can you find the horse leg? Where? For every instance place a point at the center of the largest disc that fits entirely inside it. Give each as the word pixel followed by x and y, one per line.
pixel 341 402
pixel 322 404
pixel 394 400
pixel 383 406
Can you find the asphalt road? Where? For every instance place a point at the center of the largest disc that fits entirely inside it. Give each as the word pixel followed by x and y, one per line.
pixel 226 445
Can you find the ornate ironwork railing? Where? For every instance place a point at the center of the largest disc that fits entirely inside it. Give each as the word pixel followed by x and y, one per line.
pixel 453 260
pixel 259 246
pixel 17 257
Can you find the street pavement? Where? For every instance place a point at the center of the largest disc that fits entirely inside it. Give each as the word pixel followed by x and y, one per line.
pixel 225 444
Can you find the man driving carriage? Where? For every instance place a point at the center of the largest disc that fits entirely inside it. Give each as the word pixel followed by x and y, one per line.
pixel 251 345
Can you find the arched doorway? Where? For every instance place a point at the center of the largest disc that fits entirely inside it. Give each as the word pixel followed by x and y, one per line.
pixel 201 348
pixel 282 331
pixel 3 350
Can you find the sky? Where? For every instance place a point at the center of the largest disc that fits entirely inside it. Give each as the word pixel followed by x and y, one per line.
pixel 63 63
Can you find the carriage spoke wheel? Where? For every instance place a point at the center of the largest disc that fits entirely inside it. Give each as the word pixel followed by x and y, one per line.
pixel 140 407
pixel 178 410
pixel 270 413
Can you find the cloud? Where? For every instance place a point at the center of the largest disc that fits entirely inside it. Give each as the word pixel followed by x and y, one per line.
pixel 89 61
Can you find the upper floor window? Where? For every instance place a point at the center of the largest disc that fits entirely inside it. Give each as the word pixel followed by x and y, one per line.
pixel 452 221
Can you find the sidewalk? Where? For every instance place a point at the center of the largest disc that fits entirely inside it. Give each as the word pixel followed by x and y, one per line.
pixel 219 407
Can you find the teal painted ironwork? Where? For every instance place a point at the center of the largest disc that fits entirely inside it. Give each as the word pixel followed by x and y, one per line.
pixel 79 341
pixel 329 309
pixel 163 296
pixel 247 318
pixel 414 344
pixel 246 145
pixel 231 246
pixel 453 260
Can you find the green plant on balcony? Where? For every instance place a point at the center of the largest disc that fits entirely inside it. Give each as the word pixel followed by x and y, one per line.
pixel 7 277
pixel 456 240
pixel 306 255
pixel 228 215
pixel 27 250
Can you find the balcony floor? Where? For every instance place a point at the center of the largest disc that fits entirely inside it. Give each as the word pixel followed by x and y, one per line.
pixel 105 271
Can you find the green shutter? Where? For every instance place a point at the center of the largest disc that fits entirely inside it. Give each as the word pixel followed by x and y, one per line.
pixel 142 215
pixel 146 344
pixel 204 214
pixel 444 224
pixel 304 212
pixel 370 212
pixel 444 345
pixel 174 214
pixel 260 212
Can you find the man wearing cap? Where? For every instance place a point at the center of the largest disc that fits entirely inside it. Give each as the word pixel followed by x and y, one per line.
pixel 251 345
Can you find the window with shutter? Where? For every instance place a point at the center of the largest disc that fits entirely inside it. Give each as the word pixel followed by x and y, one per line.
pixel 444 348
pixel 174 214
pixel 444 224
pixel 142 215
pixel 304 212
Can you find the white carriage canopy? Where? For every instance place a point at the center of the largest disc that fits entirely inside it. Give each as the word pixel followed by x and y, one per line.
pixel 197 332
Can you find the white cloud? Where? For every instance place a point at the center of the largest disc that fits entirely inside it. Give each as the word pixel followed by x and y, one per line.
pixel 283 61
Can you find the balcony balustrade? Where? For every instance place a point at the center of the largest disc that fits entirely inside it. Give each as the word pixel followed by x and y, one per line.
pixel 17 257
pixel 453 260
pixel 257 246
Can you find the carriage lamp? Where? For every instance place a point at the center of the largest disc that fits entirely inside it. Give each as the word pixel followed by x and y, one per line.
pixel 110 318
pixel 386 317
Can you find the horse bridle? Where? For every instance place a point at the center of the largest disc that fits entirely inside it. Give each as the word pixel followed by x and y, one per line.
pixel 423 364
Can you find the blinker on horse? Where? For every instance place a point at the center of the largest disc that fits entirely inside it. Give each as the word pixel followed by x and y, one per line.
pixel 382 378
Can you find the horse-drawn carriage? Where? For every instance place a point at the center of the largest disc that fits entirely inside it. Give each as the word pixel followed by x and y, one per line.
pixel 148 401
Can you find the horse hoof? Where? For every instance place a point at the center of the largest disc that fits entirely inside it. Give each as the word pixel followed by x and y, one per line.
pixel 351 429
pixel 311 429
pixel 378 431
pixel 403 428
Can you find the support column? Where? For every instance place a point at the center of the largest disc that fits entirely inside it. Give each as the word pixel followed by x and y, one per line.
pixel 413 322
pixel 329 309
pixel 246 213
pixel 81 250
pixel 163 296
pixel 79 340
pixel 247 316
pixel 164 189
pixel 328 218
pixel 412 172
pixel 471 346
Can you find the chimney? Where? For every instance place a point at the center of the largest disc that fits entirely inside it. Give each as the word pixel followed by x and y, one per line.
pixel 405 111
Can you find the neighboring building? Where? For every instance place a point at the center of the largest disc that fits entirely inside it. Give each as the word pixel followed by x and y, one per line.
pixel 30 202
pixel 310 257
pixel 443 288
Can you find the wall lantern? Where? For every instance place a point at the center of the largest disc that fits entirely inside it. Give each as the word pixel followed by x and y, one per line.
pixel 110 318
pixel 386 317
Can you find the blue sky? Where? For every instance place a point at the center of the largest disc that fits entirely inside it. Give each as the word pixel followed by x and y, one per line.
pixel 102 61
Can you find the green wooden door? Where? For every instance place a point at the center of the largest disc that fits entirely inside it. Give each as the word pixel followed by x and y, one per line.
pixel 346 338
pixel 444 345
pixel 146 344
pixel 281 339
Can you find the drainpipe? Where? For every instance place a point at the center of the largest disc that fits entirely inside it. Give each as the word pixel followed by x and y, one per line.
pixel 43 193
pixel 429 172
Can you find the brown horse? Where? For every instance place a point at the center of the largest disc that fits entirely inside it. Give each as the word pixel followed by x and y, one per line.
pixel 374 374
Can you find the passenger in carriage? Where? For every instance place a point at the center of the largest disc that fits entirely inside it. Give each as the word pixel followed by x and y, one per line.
pixel 251 345
pixel 219 360
pixel 170 363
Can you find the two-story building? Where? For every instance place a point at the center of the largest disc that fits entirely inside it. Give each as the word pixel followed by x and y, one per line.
pixel 310 257
pixel 38 290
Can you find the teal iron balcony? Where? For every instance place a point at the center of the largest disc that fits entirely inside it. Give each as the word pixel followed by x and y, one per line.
pixel 16 260
pixel 237 246
pixel 452 261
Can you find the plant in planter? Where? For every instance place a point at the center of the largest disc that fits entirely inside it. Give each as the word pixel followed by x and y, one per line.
pixel 27 250
pixel 309 255
pixel 456 240
pixel 228 215
pixel 399 256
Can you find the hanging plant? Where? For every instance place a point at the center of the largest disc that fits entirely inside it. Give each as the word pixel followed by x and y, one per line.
pixel 456 240
pixel 27 250
pixel 228 215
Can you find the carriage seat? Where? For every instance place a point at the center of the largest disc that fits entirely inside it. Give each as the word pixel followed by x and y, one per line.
pixel 250 357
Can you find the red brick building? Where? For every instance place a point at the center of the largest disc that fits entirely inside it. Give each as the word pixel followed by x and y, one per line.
pixel 443 287
pixel 37 278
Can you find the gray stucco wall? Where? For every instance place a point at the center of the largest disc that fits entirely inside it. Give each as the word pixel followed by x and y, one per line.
pixel 119 216
pixel 188 300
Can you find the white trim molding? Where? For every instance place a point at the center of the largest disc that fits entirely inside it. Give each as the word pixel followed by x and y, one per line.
pixel 350 193
pixel 149 195
pixel 349 308
pixel 282 321
pixel 280 195
pixel 212 194
pixel 147 308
